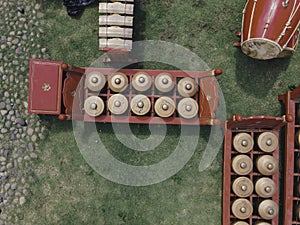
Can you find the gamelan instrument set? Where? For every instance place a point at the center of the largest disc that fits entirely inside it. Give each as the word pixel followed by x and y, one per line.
pixel 255 192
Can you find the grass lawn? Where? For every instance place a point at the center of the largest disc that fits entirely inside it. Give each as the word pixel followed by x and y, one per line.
pixel 68 191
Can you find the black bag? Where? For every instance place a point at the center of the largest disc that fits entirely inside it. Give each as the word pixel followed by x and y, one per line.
pixel 74 7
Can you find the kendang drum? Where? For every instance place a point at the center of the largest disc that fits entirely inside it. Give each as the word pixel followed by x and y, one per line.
pixel 270 28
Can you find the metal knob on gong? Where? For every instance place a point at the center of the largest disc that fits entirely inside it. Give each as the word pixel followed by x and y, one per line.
pixel 267 141
pixel 242 208
pixel 164 106
pixel 141 81
pixel 95 81
pixel 266 165
pixel 140 105
pixel 242 187
pixel 265 187
pixel 268 209
pixel 164 82
pixel 118 82
pixel 93 106
pixel 117 104
pixel 187 87
pixel 243 142
pixel 242 164
pixel 188 108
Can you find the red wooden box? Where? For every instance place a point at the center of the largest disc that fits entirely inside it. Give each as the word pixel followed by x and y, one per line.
pixel 254 126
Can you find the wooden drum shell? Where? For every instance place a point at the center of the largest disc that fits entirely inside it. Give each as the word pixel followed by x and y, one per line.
pixel 270 27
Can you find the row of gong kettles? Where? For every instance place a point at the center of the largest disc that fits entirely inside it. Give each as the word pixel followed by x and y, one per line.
pixel 140 103
pixel 253 166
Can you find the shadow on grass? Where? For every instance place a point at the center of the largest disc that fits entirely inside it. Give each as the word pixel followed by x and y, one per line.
pixel 57 4
pixel 257 77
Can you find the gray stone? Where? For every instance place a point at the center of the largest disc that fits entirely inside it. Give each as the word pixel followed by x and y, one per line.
pixel 9 165
pixel 14 186
pixel 2 105
pixel 2 159
pixel 30 147
pixel 7 186
pixel 22 200
pixel 20 121
pixel 34 138
pixel 37 6
pixel 6 94
pixel 3 112
pixel 30 131
pixel 2 168
pixel 12 137
pixel 18 50
pixel 4 130
pixel 33 155
pixel 15 41
pixel 7 124
pixel 1 55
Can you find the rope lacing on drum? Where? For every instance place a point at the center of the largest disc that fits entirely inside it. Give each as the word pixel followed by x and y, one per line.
pixel 287 25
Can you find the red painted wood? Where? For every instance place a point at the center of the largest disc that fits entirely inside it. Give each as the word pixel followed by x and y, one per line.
pixel 254 126
pixel 70 77
pixel 44 93
pixel 290 99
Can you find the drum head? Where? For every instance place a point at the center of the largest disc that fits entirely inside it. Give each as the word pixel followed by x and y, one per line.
pixel 140 105
pixel 242 208
pixel 95 81
pixel 93 106
pixel 141 81
pixel 187 87
pixel 243 142
pixel 118 82
pixel 265 187
pixel 268 209
pixel 266 165
pixel 260 48
pixel 242 187
pixel 188 108
pixel 267 141
pixel 164 82
pixel 242 164
pixel 164 106
pixel 117 104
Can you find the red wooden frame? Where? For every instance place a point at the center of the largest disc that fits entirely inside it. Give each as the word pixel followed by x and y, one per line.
pixel 291 100
pixel 207 96
pixel 254 126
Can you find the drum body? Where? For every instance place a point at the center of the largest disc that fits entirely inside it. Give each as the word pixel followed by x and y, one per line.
pixel 270 28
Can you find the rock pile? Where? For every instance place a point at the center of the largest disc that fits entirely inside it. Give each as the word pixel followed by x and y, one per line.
pixel 20 33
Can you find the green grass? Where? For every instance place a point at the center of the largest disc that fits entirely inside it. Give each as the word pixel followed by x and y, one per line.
pixel 68 191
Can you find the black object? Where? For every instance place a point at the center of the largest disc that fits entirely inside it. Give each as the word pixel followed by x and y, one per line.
pixel 74 7
pixel 21 10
